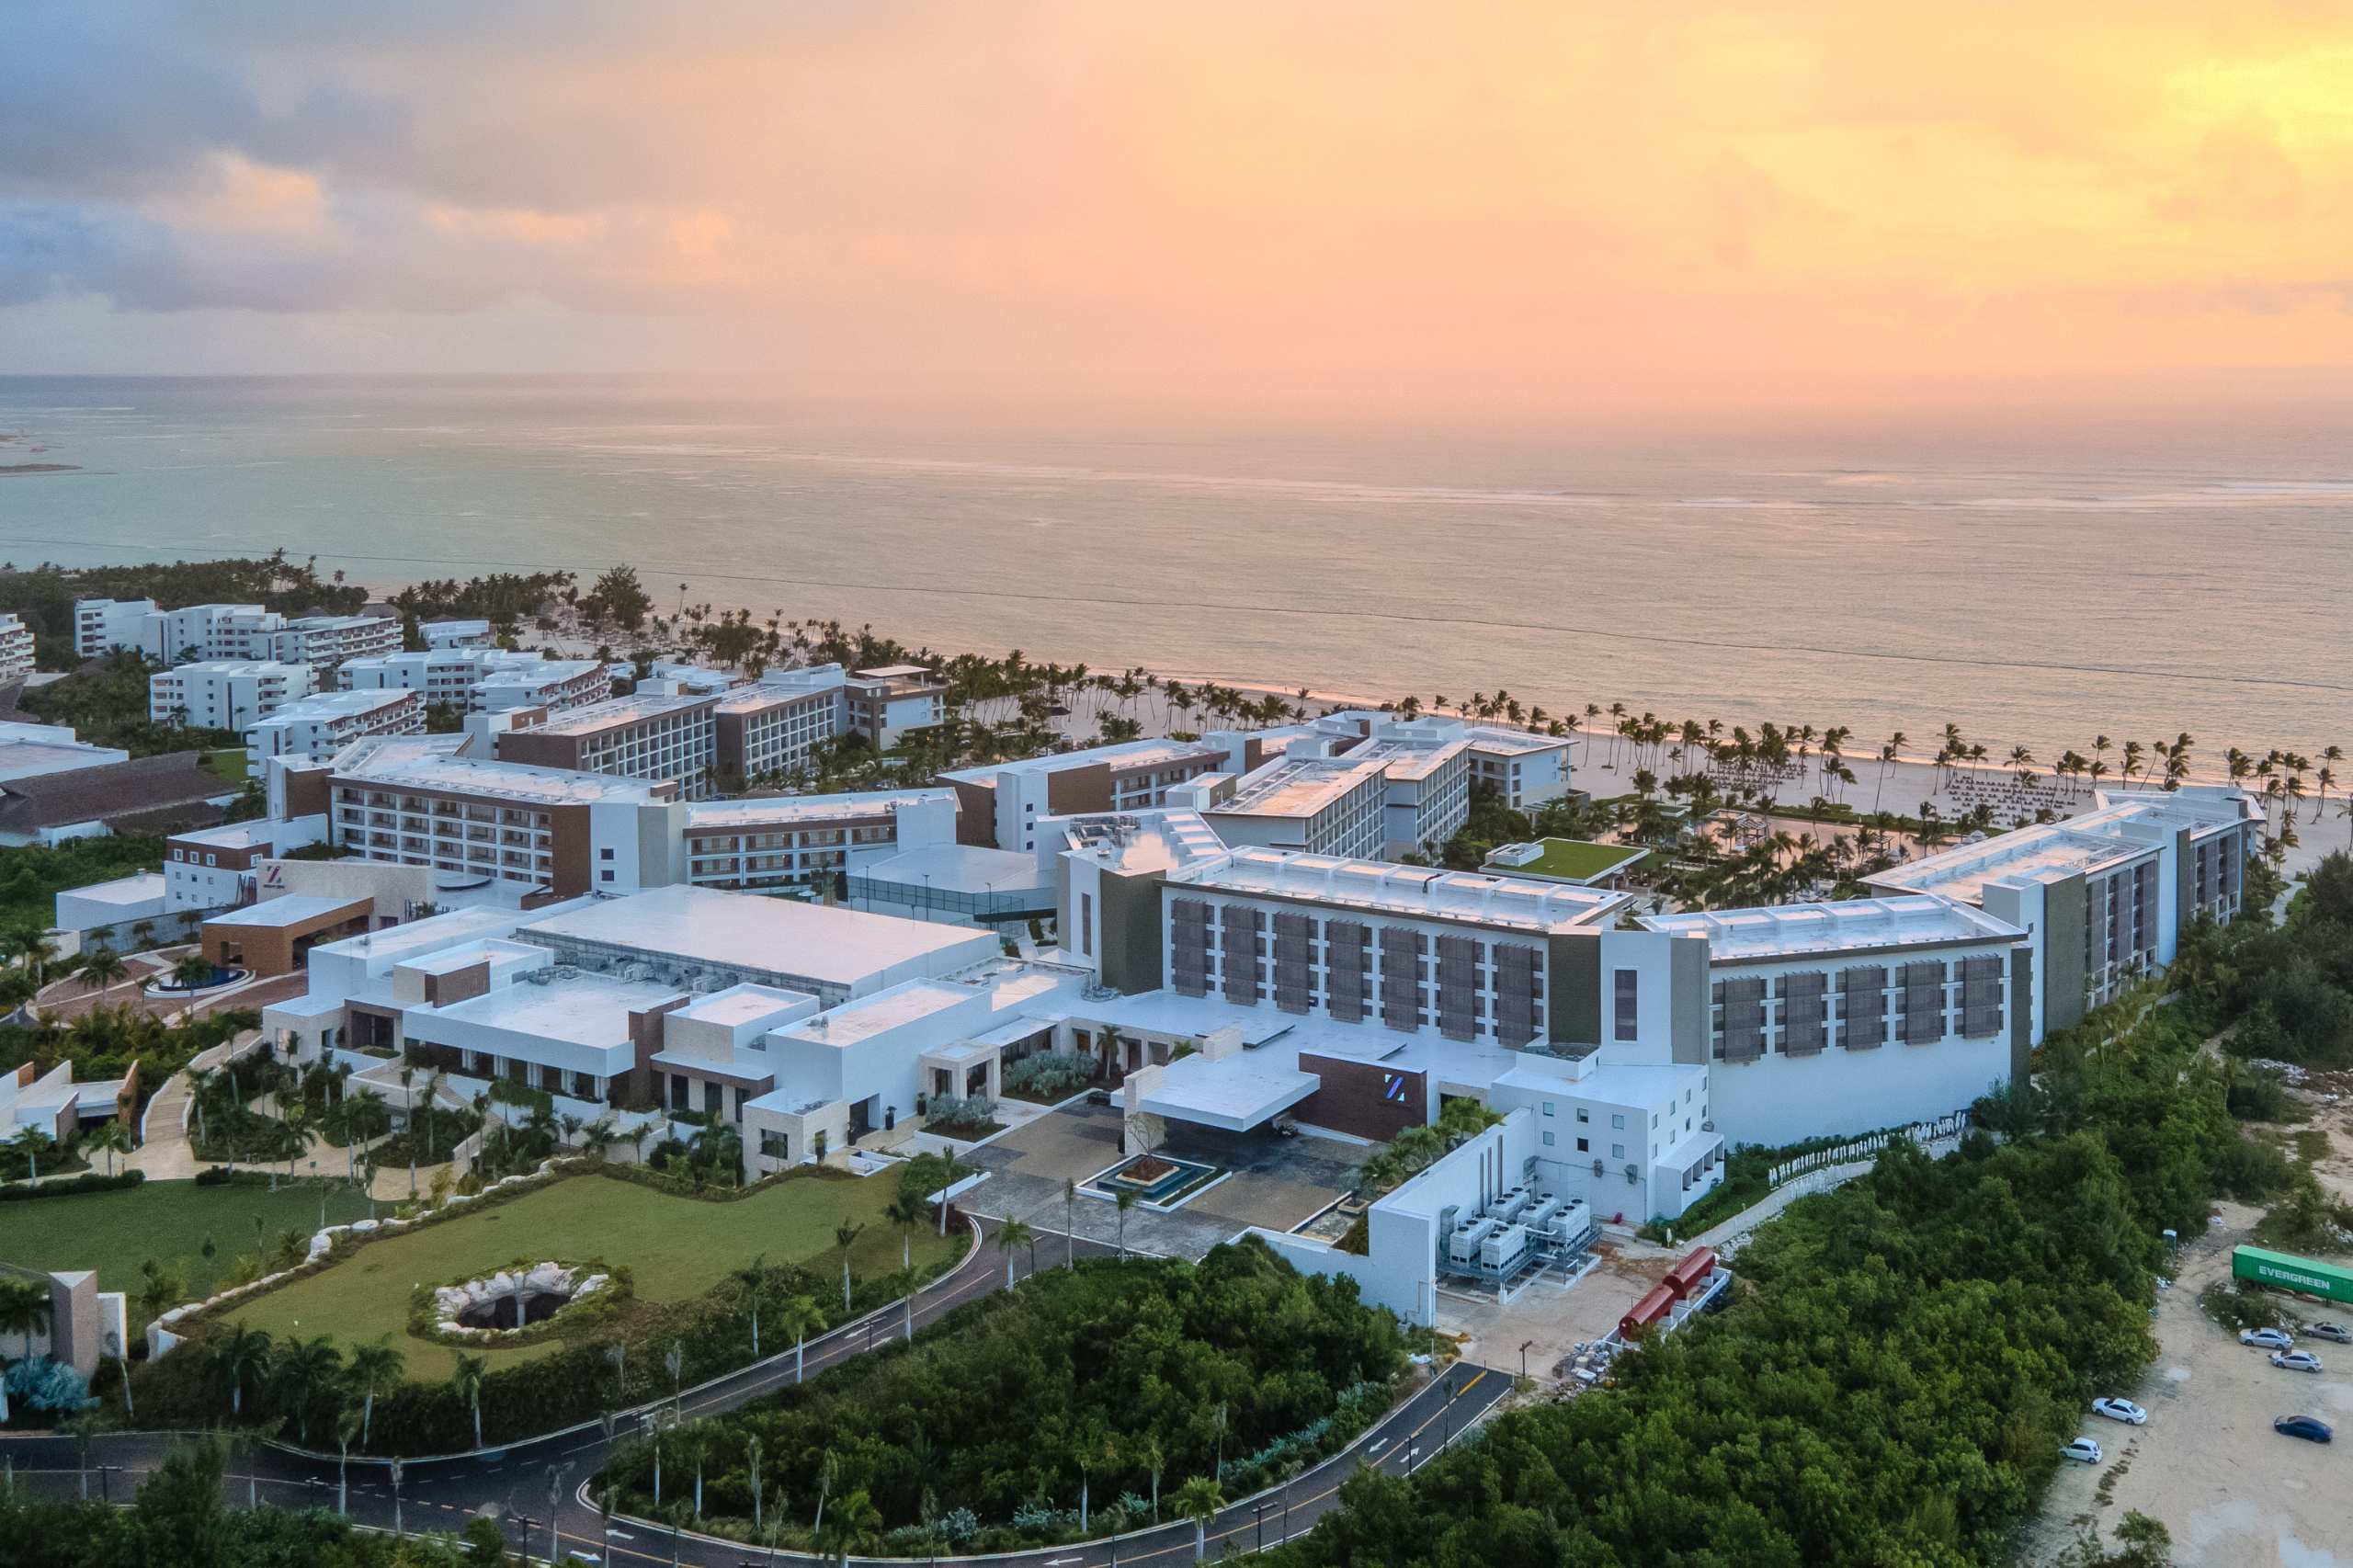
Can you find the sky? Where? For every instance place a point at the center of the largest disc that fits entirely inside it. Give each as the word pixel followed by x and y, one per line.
pixel 1439 206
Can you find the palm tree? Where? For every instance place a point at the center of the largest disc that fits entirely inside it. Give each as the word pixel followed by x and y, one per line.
pixel 798 1317
pixel 112 1136
pixel 1199 1501
pixel 1125 1200
pixel 374 1367
pixel 24 1311
pixel 191 970
pixel 101 967
pixel 240 1353
pixel 348 1424
pixel 905 1210
pixel 300 1369
pixel 1012 1235
pixel 752 1458
pixel 751 1283
pixel 467 1381
pixel 858 1526
pixel 845 1236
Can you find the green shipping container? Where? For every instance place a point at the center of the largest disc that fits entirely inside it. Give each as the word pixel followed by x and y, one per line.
pixel 2284 1271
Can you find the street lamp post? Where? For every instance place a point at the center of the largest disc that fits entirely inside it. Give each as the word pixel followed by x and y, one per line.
pixel 1523 1357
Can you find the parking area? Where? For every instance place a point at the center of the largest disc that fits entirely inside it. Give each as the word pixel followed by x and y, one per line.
pixel 1552 1321
pixel 1275 1182
pixel 2233 1492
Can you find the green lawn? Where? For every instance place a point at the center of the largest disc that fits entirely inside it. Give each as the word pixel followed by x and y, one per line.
pixel 229 763
pixel 114 1232
pixel 1575 860
pixel 675 1247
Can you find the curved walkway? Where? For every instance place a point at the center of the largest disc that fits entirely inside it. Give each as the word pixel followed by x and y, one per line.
pixel 534 1488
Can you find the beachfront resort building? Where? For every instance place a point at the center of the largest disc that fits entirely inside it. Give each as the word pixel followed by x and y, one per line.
pixel 226 693
pixel 217 631
pixel 464 678
pixel 1322 805
pixel 660 739
pixel 2105 896
pixel 770 730
pixel 218 868
pixel 1003 803
pixel 317 726
pixel 458 634
pixel 888 702
pixel 1524 769
pixel 779 841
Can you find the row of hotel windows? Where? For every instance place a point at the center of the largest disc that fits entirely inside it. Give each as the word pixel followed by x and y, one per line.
pixel 1402 978
pixel 1860 1008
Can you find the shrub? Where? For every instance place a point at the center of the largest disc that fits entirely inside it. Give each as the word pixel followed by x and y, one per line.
pixel 95 1182
pixel 1047 1075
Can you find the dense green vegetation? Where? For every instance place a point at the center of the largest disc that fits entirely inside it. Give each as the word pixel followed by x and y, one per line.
pixel 179 1519
pixel 1062 1408
pixel 1905 1358
pixel 44 595
pixel 502 598
pixel 2290 988
pixel 105 1041
pixel 106 704
pixel 32 877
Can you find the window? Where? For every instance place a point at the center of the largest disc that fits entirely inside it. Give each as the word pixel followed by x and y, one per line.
pixel 607 873
pixel 1548 1108
pixel 1548 1139
pixel 1582 1147
pixel 1629 987
pixel 1617 1151
pixel 604 854
pixel 1618 1124
pixel 1086 925
pixel 1584 1115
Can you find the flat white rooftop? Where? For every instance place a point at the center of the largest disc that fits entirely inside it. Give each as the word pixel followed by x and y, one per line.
pixel 618 710
pixel 340 704
pixel 745 931
pixel 740 1004
pixel 1518 742
pixel 588 1009
pixel 291 909
pixel 1471 896
pixel 1236 1094
pixel 1121 755
pixel 804 810
pixel 1296 786
pixel 888 1009
pixel 431 762
pixel 1406 758
pixel 140 887
pixel 1850 925
pixel 402 944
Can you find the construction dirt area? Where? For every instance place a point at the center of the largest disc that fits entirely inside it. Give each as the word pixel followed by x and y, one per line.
pixel 2233 1492
pixel 1550 1322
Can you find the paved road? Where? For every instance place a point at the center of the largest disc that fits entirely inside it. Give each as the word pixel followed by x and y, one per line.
pixel 517 1483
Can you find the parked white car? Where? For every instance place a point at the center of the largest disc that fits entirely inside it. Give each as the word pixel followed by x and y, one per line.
pixel 2123 1409
pixel 2083 1450
pixel 2267 1338
pixel 2331 1331
pixel 2296 1361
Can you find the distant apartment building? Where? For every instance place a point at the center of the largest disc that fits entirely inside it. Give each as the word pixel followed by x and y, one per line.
pixel 1427 797
pixel 1523 768
pixel 317 726
pixel 888 702
pixel 478 680
pixel 661 739
pixel 15 648
pixel 1320 805
pixel 216 632
pixel 226 694
pixel 101 626
pixel 1002 803
pixel 802 840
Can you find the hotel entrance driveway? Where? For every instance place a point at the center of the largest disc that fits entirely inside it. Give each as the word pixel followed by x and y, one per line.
pixel 1276 1182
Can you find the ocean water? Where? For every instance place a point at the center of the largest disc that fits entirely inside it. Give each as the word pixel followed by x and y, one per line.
pixel 2035 580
